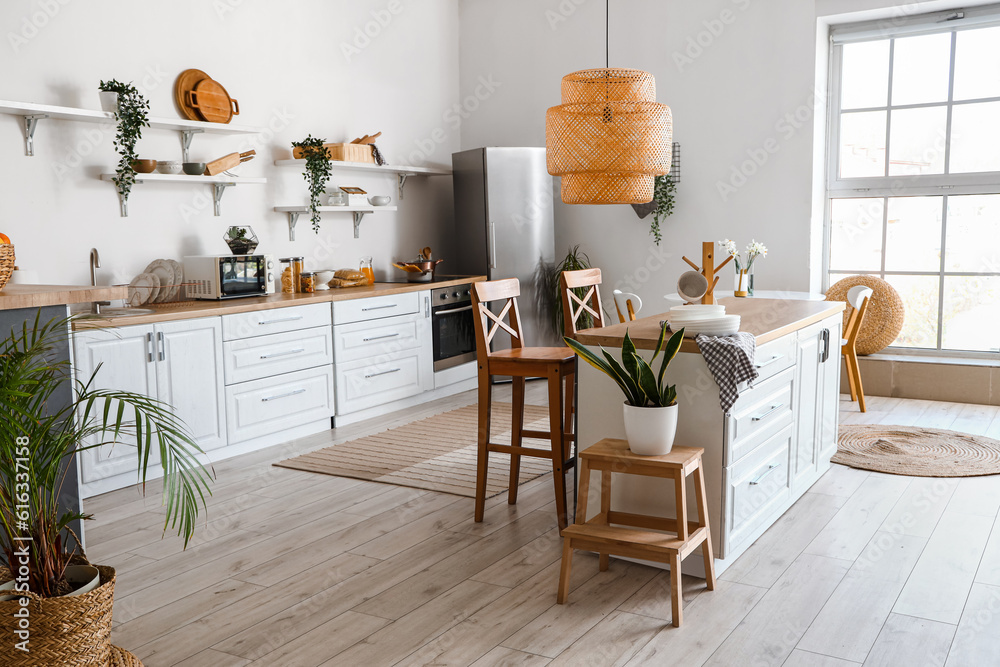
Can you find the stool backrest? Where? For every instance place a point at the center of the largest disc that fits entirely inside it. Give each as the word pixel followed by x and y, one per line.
pixel 627 304
pixel 575 307
pixel 488 323
pixel 859 297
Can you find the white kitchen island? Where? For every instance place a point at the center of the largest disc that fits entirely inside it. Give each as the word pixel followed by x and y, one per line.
pixel 775 442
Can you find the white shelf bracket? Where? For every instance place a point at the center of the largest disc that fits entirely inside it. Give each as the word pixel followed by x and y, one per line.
pixel 358 215
pixel 293 217
pixel 30 123
pixel 186 137
pixel 218 189
pixel 402 181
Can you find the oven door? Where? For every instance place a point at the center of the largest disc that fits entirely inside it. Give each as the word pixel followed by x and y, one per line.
pixel 242 275
pixel 454 335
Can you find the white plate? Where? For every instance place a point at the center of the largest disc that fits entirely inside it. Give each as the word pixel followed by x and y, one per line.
pixel 712 308
pixel 143 289
pixel 165 272
pixel 695 313
pixel 178 278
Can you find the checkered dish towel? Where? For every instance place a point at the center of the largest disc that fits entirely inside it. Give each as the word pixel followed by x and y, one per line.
pixel 730 358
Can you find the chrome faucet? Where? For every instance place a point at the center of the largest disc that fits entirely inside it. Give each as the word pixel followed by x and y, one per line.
pixel 95 263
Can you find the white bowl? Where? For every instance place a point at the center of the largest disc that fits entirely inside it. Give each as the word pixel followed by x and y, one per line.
pixel 699 310
pixel 168 167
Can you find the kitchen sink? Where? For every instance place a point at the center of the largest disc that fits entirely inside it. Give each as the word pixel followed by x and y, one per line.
pixel 126 312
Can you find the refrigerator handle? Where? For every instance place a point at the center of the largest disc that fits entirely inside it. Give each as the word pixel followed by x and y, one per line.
pixel 493 245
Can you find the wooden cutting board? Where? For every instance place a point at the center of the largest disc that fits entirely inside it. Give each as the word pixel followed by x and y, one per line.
pixel 211 101
pixel 216 167
pixel 186 81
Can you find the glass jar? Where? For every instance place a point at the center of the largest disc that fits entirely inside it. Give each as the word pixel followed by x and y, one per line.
pixel 338 198
pixel 366 268
pixel 307 282
pixel 291 273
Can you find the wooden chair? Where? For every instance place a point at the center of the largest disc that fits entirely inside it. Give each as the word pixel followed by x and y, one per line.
pixel 626 302
pixel 556 364
pixel 858 296
pixel 574 308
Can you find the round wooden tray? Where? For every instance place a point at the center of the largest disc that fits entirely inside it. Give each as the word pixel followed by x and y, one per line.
pixel 212 102
pixel 185 84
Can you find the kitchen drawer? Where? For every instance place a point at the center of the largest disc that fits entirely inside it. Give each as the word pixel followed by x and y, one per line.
pixel 360 310
pixel 757 411
pixel 263 356
pixel 756 486
pixel 774 357
pixel 376 338
pixel 261 407
pixel 275 320
pixel 366 383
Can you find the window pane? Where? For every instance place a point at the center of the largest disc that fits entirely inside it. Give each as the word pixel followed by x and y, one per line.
pixel 977 64
pixel 975 137
pixel 913 234
pixel 920 301
pixel 920 67
pixel 917 139
pixel 865 75
pixel 973 231
pixel 862 144
pixel 969 303
pixel 856 234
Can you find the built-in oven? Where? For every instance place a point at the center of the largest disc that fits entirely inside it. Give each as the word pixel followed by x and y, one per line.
pixel 453 325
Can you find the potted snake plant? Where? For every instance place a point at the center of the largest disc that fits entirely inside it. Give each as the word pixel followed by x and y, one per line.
pixel 650 403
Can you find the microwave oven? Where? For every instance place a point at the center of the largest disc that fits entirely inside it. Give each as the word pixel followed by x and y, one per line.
pixel 228 276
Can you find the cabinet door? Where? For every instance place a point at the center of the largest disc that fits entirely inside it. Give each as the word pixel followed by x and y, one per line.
pixel 829 402
pixel 807 408
pixel 121 358
pixel 189 376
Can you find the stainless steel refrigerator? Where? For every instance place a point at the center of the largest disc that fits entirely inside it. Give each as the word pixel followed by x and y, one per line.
pixel 504 229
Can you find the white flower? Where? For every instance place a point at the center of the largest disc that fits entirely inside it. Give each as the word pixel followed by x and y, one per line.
pixel 755 248
pixel 730 246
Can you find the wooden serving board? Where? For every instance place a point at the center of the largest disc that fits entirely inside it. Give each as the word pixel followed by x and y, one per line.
pixel 186 81
pixel 211 101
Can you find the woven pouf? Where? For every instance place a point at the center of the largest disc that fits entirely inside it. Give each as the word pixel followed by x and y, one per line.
pixel 921 452
pixel 122 658
pixel 884 317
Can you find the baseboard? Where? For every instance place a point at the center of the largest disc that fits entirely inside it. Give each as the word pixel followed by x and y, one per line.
pixel 952 380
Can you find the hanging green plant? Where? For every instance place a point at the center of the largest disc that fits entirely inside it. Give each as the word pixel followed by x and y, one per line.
pixel 132 115
pixel 663 198
pixel 317 173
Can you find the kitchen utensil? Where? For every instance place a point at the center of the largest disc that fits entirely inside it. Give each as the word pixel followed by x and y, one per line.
pixel 379 200
pixel 143 289
pixel 143 166
pixel 216 167
pixel 165 274
pixel 168 167
pixel 323 278
pixel 185 83
pixel 420 271
pixel 692 286
pixel 695 312
pixel 426 253
pixel 194 168
pixel 211 102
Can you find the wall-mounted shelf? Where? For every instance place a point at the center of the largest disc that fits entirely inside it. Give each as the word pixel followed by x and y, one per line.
pixel 402 172
pixel 357 211
pixel 31 113
pixel 218 183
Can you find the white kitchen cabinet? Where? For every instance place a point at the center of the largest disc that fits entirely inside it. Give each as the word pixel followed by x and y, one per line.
pixel 375 307
pixel 272 405
pixel 275 320
pixel 816 411
pixel 274 354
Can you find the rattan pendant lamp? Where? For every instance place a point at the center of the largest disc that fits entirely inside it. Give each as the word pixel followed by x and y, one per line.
pixel 609 138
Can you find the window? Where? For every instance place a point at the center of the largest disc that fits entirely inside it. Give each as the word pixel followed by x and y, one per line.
pixel 914 173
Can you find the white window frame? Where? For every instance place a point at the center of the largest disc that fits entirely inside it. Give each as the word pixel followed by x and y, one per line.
pixel 885 187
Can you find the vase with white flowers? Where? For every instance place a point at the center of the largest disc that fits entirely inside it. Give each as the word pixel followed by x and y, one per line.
pixel 743 285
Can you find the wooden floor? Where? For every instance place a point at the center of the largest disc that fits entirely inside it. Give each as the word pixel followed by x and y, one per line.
pixel 300 569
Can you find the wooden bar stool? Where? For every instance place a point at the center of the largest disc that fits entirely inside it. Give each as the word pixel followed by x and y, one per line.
pixel 637 535
pixel 556 364
pixel 576 308
pixel 858 296
pixel 627 302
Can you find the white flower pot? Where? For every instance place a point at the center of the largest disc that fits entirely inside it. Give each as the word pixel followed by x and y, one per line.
pixel 109 101
pixel 87 577
pixel 7 586
pixel 650 431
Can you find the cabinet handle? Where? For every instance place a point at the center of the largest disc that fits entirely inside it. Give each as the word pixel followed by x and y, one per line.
pixel 453 310
pixel 366 340
pixel 770 361
pixel 291 393
pixel 427 306
pixel 280 319
pixel 756 480
pixel 149 346
pixel 162 346
pixel 375 375
pixel 389 305
pixel 282 354
pixel 825 337
pixel 493 245
pixel 764 416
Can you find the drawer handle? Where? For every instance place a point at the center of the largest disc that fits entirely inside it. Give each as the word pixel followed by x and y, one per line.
pixel 366 340
pixel 149 347
pixel 375 375
pixel 764 416
pixel 281 319
pixel 162 346
pixel 390 305
pixel 756 480
pixel 452 310
pixel 283 354
pixel 770 361
pixel 291 393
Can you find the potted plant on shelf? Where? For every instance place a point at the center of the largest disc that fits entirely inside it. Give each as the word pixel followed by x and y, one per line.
pixel 132 114
pixel 317 173
pixel 36 441
pixel 241 240
pixel 650 405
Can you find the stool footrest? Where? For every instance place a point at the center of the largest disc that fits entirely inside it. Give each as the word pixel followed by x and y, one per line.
pixel 600 537
pixel 641 521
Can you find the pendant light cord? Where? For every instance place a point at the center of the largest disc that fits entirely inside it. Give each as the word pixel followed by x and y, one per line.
pixel 607 34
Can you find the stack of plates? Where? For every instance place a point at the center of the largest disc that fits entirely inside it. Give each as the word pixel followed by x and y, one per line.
pixel 161 281
pixel 707 319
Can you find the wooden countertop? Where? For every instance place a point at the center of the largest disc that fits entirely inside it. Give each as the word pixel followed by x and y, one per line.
pixel 37 296
pixel 186 310
pixel 766 319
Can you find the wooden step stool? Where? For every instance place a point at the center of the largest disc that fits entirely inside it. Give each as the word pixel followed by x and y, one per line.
pixel 638 535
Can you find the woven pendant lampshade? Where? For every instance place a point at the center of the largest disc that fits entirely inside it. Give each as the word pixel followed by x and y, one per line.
pixel 609 138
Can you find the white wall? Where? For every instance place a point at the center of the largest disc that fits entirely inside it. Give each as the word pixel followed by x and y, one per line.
pixel 286 65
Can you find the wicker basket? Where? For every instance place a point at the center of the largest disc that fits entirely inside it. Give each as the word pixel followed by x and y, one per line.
pixel 6 263
pixel 883 318
pixel 65 631
pixel 344 153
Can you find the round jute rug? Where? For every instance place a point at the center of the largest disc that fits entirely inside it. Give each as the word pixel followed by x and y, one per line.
pixel 922 452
